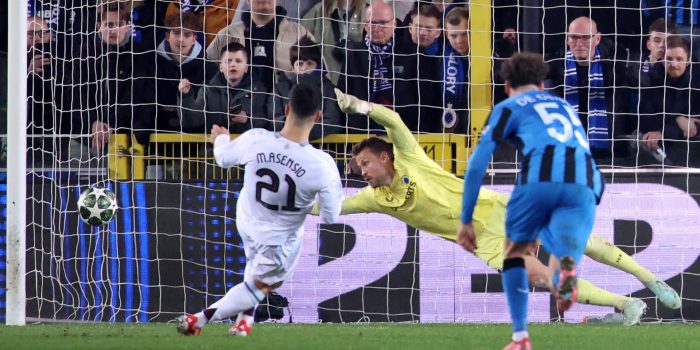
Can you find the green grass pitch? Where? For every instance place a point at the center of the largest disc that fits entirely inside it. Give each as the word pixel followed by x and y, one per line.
pixel 348 336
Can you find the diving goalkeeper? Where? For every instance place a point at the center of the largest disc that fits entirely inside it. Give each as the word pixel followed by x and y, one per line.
pixel 406 184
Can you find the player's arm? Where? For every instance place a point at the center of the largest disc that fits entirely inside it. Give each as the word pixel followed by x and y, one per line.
pixel 330 197
pixel 229 152
pixel 494 134
pixel 479 160
pixel 359 203
pixel 398 132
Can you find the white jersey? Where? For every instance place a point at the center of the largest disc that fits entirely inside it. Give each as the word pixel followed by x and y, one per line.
pixel 281 182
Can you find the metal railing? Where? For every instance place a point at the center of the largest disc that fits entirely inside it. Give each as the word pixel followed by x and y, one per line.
pixel 189 156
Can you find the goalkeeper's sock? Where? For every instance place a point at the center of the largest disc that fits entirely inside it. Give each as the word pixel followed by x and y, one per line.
pixel 516 286
pixel 607 253
pixel 588 293
pixel 240 298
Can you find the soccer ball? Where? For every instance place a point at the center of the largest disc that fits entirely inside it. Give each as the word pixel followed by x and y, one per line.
pixel 97 206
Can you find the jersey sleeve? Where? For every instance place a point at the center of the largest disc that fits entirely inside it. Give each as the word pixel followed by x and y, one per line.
pixel 330 197
pixel 494 133
pixel 361 202
pixel 229 152
pixel 398 132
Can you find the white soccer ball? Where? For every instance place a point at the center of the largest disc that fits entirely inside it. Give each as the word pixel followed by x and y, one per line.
pixel 97 206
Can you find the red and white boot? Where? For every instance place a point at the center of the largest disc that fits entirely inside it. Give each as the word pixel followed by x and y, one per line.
pixel 568 290
pixel 523 344
pixel 243 325
pixel 187 325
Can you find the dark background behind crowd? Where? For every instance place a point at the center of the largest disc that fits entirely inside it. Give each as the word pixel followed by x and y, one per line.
pixel 145 66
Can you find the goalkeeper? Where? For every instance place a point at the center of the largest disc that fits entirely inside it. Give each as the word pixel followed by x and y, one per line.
pixel 406 184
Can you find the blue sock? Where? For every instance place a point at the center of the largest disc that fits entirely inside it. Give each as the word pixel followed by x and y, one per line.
pixel 516 287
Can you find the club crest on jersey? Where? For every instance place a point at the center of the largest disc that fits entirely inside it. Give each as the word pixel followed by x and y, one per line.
pixel 405 180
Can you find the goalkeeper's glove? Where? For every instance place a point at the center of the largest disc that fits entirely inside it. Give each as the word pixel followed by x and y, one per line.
pixel 351 104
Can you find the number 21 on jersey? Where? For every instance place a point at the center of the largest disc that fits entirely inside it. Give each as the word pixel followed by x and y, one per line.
pixel 274 187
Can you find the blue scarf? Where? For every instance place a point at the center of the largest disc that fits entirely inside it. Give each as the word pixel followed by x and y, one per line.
pixel 434 48
pixel 194 5
pixel 379 58
pixel 452 75
pixel 598 136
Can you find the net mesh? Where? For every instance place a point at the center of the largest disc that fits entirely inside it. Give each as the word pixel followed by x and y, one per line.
pixel 108 107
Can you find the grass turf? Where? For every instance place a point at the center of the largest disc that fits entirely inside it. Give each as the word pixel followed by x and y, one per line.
pixel 348 336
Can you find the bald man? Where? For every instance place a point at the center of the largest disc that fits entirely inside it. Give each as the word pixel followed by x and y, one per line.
pixel 592 80
pixel 382 68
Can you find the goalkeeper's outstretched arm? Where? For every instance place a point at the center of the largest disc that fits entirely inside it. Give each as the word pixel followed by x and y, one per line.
pixel 398 132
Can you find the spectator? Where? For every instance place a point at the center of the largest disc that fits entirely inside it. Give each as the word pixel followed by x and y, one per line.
pixel 295 9
pixel 380 70
pixel 455 72
pixel 589 78
pixel 111 79
pixel 638 70
pixel 426 37
pixel 215 14
pixel 686 15
pixel 335 23
pixel 65 19
pixel 266 34
pixel 232 99
pixel 505 21
pixel 179 56
pixel 147 20
pixel 307 69
pixel 40 81
pixel 441 5
pixel 671 108
pixel 425 29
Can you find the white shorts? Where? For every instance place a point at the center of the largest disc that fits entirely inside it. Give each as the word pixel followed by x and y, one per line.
pixel 270 264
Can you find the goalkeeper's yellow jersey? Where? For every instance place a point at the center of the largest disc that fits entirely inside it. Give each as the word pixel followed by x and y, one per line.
pixel 427 197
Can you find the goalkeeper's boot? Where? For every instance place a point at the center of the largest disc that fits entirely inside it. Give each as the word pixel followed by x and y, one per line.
pixel 568 290
pixel 187 325
pixel 632 310
pixel 241 328
pixel 666 295
pixel 523 344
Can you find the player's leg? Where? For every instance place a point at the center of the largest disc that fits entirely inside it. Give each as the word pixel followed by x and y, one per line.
pixel 539 276
pixel 270 266
pixel 288 255
pixel 516 287
pixel 600 250
pixel 491 249
pixel 524 218
pixel 570 224
pixel 242 297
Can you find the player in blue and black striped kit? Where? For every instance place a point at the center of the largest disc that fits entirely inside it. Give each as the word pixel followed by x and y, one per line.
pixel 558 187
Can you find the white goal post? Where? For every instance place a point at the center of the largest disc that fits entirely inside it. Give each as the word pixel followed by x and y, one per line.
pixel 17 163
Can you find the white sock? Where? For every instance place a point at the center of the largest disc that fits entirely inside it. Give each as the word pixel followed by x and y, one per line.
pixel 241 297
pixel 201 320
pixel 518 336
pixel 250 319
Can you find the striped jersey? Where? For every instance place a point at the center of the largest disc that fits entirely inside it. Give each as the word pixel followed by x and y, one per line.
pixel 548 135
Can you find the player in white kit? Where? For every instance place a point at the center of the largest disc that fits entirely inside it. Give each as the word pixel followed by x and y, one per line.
pixel 283 176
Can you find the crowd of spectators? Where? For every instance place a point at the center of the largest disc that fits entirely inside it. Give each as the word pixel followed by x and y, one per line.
pixel 145 66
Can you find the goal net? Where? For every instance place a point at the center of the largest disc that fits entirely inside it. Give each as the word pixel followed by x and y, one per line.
pixel 121 94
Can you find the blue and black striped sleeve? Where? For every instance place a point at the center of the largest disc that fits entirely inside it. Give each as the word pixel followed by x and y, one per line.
pixel 496 130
